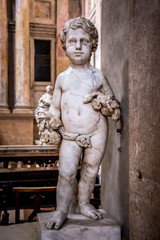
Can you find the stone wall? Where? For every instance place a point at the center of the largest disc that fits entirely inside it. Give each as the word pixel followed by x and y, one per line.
pixel 144 119
pixel 17 109
pixel 62 62
pixel 130 60
pixel 115 67
pixel 16 131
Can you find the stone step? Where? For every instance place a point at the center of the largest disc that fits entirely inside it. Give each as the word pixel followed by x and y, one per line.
pixel 79 227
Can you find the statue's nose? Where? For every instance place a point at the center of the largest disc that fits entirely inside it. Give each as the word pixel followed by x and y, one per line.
pixel 78 45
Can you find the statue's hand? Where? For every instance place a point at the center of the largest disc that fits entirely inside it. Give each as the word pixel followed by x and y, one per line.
pixel 50 137
pixel 116 115
pixel 50 134
pixel 54 123
pixel 111 109
pixel 88 98
pixel 106 103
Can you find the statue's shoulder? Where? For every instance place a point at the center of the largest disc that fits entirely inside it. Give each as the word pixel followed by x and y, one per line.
pixel 61 77
pixel 98 73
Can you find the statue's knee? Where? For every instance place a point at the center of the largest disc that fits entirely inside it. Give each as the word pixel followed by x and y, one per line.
pixel 67 177
pixel 90 169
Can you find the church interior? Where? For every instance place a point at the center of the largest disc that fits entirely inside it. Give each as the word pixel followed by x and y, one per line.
pixel 31 57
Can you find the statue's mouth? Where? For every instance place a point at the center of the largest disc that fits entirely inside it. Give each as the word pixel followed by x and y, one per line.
pixel 78 53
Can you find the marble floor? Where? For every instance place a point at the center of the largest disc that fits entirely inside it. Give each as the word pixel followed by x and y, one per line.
pixel 22 231
pixel 25 231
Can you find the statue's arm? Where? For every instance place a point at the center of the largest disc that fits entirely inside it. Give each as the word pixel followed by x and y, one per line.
pixel 55 106
pixel 104 100
pixel 111 106
pixel 106 88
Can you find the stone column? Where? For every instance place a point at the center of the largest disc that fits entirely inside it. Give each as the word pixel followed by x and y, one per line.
pixel 22 89
pixel 144 120
pixel 3 58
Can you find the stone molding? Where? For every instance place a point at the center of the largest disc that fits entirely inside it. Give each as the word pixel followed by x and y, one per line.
pixel 21 115
pixel 42 30
pixel 4 110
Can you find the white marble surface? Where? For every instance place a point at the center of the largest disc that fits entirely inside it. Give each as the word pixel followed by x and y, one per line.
pixel 79 227
pixel 82 100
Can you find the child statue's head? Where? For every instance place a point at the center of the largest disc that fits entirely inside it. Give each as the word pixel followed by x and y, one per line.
pixel 86 25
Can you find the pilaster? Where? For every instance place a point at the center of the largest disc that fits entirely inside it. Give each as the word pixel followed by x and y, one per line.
pixel 22 83
pixel 3 58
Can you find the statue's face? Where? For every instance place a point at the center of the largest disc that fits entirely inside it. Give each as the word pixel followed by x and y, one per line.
pixel 78 46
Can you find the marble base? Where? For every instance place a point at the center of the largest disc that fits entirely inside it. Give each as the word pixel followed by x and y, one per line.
pixel 4 110
pixel 22 110
pixel 79 227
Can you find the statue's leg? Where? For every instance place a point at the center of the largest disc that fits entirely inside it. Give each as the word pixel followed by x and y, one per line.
pixel 69 158
pixel 91 162
pixel 73 204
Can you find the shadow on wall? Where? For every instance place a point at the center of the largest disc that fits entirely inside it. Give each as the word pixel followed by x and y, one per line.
pixel 115 166
pixel 124 151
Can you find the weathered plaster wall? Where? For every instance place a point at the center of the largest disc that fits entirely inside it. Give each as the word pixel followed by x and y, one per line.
pixel 16 131
pixel 115 39
pixel 144 119
pixel 62 62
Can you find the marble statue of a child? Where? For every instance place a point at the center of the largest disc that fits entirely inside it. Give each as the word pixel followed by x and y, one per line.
pixel 82 100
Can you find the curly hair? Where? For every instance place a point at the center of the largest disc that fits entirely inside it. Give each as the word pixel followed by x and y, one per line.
pixel 87 27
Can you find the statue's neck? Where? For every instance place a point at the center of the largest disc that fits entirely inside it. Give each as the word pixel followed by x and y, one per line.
pixel 78 67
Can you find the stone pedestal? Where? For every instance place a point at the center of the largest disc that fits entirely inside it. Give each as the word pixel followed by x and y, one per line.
pixel 79 227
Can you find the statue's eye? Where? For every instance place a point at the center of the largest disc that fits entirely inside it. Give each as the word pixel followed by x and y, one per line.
pixel 84 41
pixel 72 41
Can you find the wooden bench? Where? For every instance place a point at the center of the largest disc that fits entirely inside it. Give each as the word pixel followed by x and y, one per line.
pixel 23 179
pixel 24 155
pixel 36 199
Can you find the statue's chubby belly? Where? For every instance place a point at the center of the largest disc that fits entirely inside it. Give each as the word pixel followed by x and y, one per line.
pixel 78 117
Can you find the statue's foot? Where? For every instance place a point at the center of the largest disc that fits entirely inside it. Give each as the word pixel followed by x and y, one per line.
pixel 89 211
pixel 56 220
